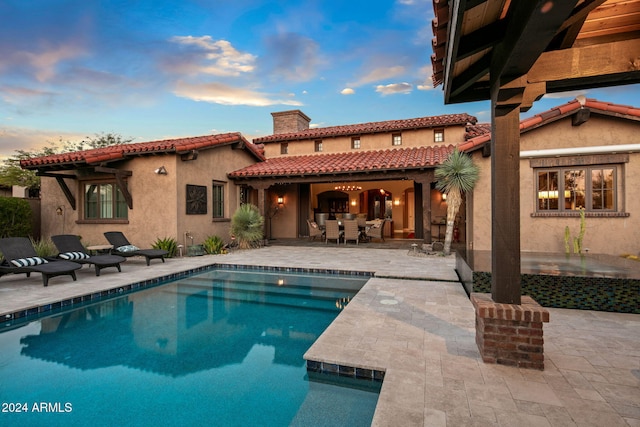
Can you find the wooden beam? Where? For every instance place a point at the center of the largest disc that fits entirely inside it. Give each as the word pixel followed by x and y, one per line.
pixel 55 175
pixel 568 64
pixel 120 182
pixel 532 25
pixel 481 39
pixel 456 18
pixel 65 189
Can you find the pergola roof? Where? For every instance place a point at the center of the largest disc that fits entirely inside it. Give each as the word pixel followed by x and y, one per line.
pixel 559 45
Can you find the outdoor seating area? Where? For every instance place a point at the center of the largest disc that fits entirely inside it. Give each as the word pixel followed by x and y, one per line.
pixel 21 257
pixel 347 230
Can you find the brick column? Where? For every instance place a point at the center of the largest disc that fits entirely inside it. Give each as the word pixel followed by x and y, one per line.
pixel 510 334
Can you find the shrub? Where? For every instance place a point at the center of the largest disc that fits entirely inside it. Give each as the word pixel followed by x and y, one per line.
pixel 15 217
pixel 44 247
pixel 213 245
pixel 246 226
pixel 169 244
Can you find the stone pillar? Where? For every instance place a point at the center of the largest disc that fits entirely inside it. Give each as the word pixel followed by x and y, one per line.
pixel 510 334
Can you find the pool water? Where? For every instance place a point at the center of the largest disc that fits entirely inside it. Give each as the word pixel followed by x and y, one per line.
pixel 223 348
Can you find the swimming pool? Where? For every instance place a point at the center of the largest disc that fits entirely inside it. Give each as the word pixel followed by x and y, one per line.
pixel 223 347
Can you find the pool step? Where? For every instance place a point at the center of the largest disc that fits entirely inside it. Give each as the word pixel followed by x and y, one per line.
pixel 266 294
pixel 310 280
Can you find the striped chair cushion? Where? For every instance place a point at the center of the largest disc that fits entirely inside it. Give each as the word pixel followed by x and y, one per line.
pixel 74 255
pixel 28 262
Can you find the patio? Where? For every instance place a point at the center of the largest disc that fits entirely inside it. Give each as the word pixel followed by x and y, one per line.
pixel 414 321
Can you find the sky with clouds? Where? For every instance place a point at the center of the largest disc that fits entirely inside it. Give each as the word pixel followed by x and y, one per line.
pixel 156 69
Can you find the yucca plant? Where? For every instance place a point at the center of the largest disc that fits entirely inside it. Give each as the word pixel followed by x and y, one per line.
pixel 169 244
pixel 247 226
pixel 213 245
pixel 456 175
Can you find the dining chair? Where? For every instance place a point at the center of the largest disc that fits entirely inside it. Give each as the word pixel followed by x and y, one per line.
pixel 332 231
pixel 351 231
pixel 314 230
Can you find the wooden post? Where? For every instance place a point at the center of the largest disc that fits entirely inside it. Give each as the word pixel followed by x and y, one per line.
pixel 505 203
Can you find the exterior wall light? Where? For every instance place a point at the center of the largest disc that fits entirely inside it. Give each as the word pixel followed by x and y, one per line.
pixel 161 171
pixel 280 200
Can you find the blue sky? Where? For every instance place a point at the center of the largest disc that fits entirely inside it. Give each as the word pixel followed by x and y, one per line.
pixel 156 69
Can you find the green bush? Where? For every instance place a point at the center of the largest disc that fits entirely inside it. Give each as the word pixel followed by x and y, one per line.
pixel 246 226
pixel 15 217
pixel 213 245
pixel 44 247
pixel 169 244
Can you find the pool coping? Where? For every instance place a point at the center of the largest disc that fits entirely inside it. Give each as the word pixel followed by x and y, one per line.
pixel 25 315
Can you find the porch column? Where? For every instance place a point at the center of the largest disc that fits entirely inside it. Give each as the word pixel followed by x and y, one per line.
pixel 505 203
pixel 422 192
pixel 262 203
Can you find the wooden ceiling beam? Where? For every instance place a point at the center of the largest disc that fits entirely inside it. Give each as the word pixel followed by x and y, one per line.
pixel 586 62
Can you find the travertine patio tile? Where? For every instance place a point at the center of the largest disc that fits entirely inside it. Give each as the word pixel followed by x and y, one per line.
pixel 493 395
pixel 589 394
pixel 533 392
pixel 508 419
pixel 572 363
pixel 586 417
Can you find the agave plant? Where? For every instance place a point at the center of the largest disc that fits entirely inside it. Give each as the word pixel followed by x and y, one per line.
pixel 169 244
pixel 247 226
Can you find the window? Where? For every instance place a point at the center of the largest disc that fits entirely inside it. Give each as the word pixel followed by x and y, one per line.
pixel 218 199
pixel 104 201
pixel 284 148
pixel 572 188
pixel 438 135
pixel 355 143
pixel 318 146
pixel 396 139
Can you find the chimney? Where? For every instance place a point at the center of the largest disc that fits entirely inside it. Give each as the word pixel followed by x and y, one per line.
pixel 290 122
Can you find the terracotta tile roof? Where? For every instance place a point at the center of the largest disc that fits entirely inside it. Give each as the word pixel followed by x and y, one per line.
pixel 476 130
pixel 335 163
pixel 119 152
pixel 372 127
pixel 556 113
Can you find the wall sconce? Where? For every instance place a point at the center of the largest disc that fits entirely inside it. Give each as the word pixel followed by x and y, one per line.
pixel 353 202
pixel 59 210
pixel 396 202
pixel 280 200
pixel 161 171
pixel 444 197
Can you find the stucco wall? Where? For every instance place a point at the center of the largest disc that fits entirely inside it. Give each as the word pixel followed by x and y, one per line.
pixel 381 141
pixel 604 235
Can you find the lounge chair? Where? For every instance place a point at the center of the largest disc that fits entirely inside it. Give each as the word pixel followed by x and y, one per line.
pixel 314 230
pixel 122 247
pixel 351 231
pixel 332 231
pixel 21 257
pixel 71 249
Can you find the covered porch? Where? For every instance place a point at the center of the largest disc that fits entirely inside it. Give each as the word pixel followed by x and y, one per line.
pixel 397 185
